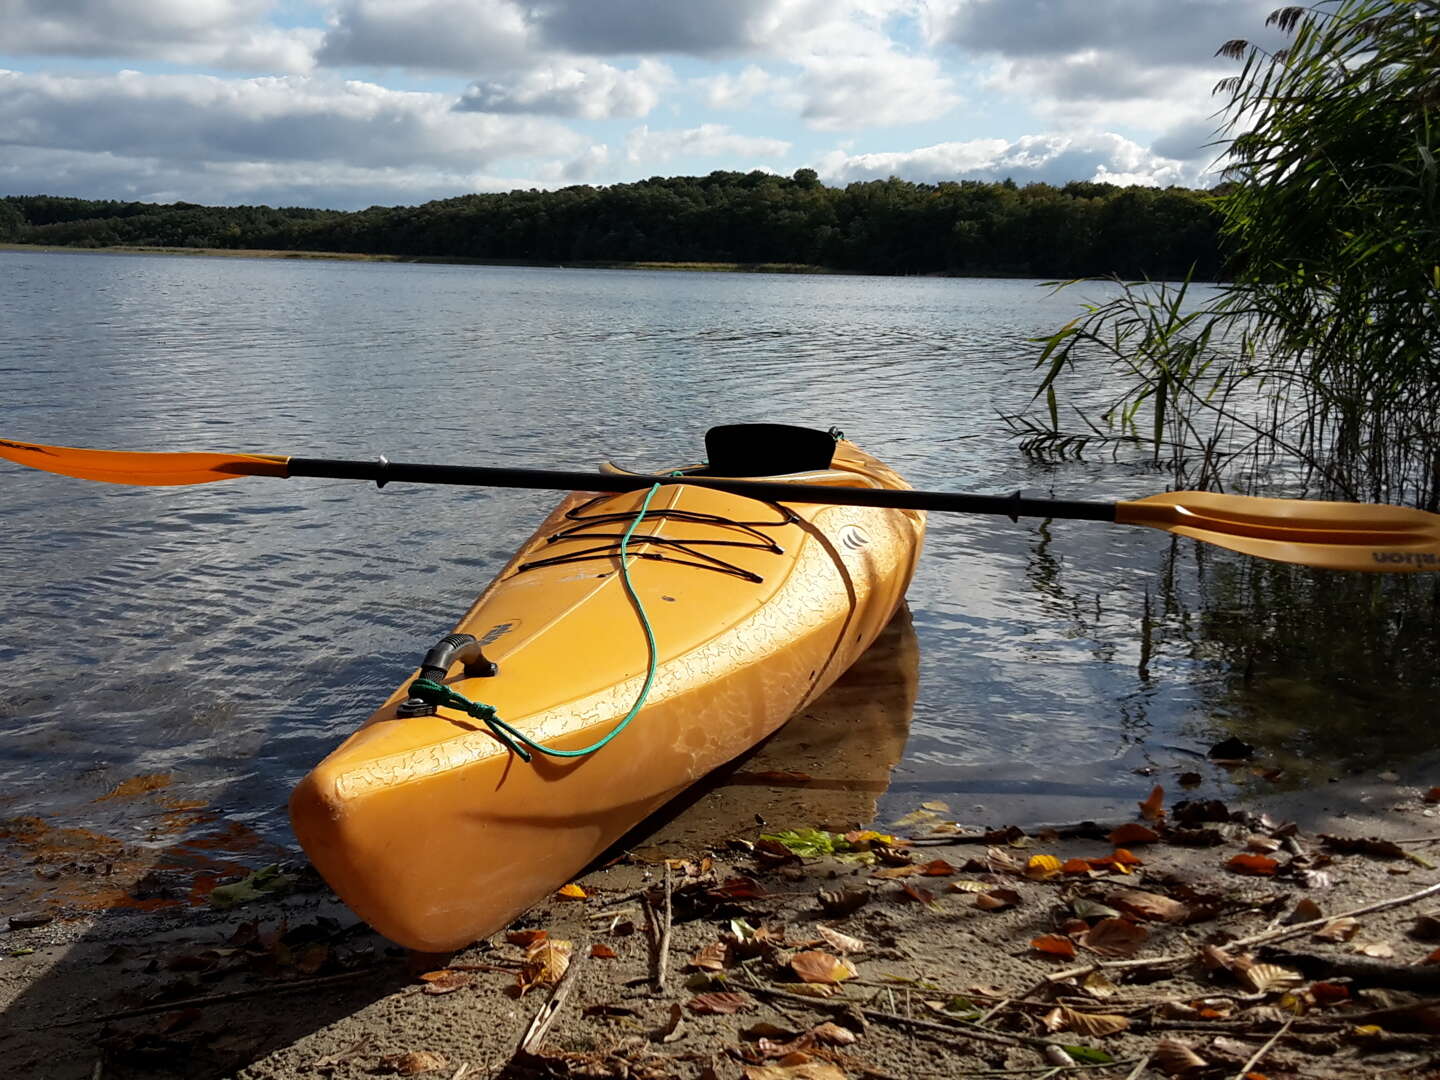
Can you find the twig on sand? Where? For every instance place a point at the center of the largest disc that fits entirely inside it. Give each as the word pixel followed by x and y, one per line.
pixel 545 1018
pixel 666 927
pixel 1246 942
pixel 1140 1066
pixel 1255 1057
pixel 219 999
pixel 957 1028
pixel 657 930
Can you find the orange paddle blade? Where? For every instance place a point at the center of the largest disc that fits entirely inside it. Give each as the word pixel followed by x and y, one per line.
pixel 147 469
pixel 1330 535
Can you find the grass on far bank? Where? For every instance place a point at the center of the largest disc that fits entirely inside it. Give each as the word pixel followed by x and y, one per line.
pixel 345 256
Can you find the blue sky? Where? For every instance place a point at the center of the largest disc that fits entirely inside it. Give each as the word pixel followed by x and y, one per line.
pixel 349 103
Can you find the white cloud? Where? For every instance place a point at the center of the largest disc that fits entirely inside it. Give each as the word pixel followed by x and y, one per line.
pixel 707 140
pixel 225 137
pixel 584 88
pixel 470 37
pixel 219 33
pixel 848 93
pixel 740 90
pixel 1054 159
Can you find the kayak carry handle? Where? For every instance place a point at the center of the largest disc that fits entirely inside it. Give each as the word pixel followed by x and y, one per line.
pixel 464 648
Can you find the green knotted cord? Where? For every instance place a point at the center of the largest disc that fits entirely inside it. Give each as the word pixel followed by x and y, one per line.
pixel 435 693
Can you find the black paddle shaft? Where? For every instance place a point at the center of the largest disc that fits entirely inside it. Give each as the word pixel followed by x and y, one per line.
pixel 384 472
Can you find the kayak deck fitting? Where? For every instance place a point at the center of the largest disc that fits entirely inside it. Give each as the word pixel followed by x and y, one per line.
pixel 436 832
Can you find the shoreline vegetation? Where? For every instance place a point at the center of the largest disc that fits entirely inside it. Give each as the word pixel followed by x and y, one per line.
pixel 460 260
pixel 729 221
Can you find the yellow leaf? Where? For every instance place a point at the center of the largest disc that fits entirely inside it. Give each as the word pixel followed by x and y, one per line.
pixel 572 892
pixel 1042 867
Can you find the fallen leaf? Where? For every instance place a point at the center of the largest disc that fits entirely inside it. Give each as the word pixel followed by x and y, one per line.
pixel 1174 1058
pixel 841 943
pixel 815 990
pixel 1042 867
pixel 920 896
pixel 1148 905
pixel 1433 795
pixel 414 1062
pixel 1115 937
pixel 833 1034
pixel 1328 993
pixel 601 951
pixel 719 1004
pixel 1152 808
pixel 1432 958
pixel 937 868
pixel 1095 1025
pixel 1306 910
pixel 1262 978
pixel 889 872
pixel 712 957
pixel 815 966
pixel 672 1029
pixel 526 938
pixel 545 964
pixel 1252 865
pixel 738 888
pixel 1099 985
pixel 1364 845
pixel 1133 833
pixel 806 1070
pixel 571 892
pixel 997 899
pixel 1337 930
pixel 1380 950
pixel 1076 866
pixel 446 981
pixel 970 886
pixel 842 902
pixel 1053 945
pixel 1264 845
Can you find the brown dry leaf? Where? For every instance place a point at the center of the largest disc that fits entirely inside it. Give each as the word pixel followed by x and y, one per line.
pixel 1337 930
pixel 1115 937
pixel 887 872
pixel 937 868
pixel 1174 1058
pixel 833 1034
pixel 1363 845
pixel 446 981
pixel 1095 1025
pixel 997 899
pixel 545 964
pixel 1075 866
pixel 1000 860
pixel 842 902
pixel 1099 985
pixel 1152 809
pixel 712 957
pixel 1252 865
pixel 1433 795
pixel 1262 978
pixel 919 895
pixel 1148 905
pixel 815 990
pixel 526 938
pixel 1425 928
pixel 571 892
pixel 1264 845
pixel 1380 950
pixel 672 1029
pixel 1306 910
pixel 1133 833
pixel 719 1004
pixel 841 943
pixel 413 1062
pixel 601 951
pixel 1053 945
pixel 1328 993
pixel 805 1070
pixel 1432 958
pixel 970 886
pixel 820 967
pixel 1042 867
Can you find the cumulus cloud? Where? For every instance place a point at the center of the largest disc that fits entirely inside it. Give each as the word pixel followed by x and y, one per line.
pixel 267 133
pixel 464 36
pixel 707 140
pixel 741 90
pixel 848 93
pixel 694 27
pixel 1053 159
pixel 220 33
pixel 592 90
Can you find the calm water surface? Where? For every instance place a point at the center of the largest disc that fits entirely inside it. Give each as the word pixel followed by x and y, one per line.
pixel 222 639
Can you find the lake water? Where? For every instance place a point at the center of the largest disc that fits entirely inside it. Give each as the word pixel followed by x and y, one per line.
pixel 172 659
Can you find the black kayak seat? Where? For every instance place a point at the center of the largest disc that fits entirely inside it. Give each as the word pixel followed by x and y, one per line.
pixel 766 450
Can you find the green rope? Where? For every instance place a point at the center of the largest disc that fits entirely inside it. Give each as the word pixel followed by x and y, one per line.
pixel 435 693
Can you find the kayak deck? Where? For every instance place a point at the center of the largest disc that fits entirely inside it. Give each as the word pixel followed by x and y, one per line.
pixel 437 834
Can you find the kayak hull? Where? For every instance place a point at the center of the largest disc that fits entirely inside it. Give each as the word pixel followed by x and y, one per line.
pixel 435 833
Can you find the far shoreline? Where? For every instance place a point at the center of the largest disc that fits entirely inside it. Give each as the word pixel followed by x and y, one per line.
pixel 462 260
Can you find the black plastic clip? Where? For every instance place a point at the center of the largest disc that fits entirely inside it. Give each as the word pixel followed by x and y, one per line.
pixel 465 648
pixel 384 463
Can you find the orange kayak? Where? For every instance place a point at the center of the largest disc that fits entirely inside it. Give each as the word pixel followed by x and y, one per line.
pixel 437 832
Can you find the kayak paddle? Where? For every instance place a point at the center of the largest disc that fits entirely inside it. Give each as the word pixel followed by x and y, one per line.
pixel 1329 535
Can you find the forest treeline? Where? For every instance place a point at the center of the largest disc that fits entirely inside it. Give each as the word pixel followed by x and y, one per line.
pixel 882 226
